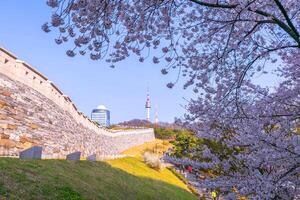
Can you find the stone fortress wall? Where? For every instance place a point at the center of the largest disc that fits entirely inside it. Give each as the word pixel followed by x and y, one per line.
pixel 34 111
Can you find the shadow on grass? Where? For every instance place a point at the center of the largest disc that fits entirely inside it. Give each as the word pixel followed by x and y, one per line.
pixel 61 179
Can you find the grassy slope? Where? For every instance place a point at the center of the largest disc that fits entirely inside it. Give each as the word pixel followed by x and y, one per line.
pixel 157 146
pixel 137 168
pixel 126 178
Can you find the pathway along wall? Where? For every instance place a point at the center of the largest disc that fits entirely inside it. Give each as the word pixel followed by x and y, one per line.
pixel 33 111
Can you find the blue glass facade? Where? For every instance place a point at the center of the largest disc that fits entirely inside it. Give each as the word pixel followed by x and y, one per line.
pixel 101 115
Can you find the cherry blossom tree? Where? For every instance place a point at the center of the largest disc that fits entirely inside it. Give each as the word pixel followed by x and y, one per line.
pixel 219 46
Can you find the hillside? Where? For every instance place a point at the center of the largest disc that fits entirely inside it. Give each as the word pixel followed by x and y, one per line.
pixel 126 178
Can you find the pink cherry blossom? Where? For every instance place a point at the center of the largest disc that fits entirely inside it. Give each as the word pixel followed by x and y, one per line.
pixel 219 47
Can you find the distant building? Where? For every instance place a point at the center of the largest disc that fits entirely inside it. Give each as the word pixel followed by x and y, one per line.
pixel 101 115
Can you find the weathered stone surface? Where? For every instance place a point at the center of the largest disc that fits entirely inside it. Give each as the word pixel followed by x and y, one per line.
pixel 31 153
pixel 92 157
pixel 4 136
pixel 5 93
pixel 2 117
pixel 24 139
pixel 74 156
pixel 7 143
pixel 27 142
pixel 4 126
pixel 2 104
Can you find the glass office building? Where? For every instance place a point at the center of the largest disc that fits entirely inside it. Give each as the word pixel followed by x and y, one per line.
pixel 101 115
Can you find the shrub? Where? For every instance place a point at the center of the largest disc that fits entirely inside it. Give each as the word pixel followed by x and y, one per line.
pixel 169 133
pixel 152 160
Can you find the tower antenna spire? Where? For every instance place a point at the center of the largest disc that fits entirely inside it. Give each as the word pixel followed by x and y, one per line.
pixel 156 115
pixel 148 105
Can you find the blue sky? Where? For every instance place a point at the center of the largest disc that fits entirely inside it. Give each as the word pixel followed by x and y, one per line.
pixel 89 83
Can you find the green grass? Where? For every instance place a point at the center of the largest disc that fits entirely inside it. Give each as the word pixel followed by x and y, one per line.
pixel 127 178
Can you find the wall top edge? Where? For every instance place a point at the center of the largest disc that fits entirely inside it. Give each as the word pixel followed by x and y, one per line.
pixel 57 89
pixel 32 69
pixel 8 53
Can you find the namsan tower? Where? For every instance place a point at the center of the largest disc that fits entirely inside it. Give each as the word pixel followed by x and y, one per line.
pixel 148 106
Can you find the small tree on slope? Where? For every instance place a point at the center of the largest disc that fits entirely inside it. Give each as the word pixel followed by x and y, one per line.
pixel 218 45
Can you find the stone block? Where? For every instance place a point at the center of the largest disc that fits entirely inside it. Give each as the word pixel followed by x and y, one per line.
pixel 33 126
pixel 2 117
pixel 24 139
pixel 31 153
pixel 92 157
pixel 8 126
pixel 12 127
pixel 4 136
pixel 4 126
pixel 74 156
pixel 5 93
pixel 2 104
pixel 7 143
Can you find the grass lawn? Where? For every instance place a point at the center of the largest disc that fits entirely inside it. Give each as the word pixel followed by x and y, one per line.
pixel 138 168
pixel 126 178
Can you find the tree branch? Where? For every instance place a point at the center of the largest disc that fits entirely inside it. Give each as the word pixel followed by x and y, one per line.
pixel 283 11
pixel 215 5
pixel 281 24
pixel 288 171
